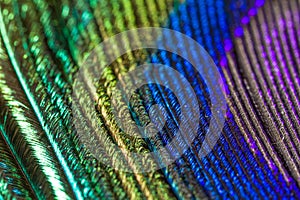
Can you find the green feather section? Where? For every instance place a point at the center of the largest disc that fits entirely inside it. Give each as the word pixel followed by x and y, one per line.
pixel 43 44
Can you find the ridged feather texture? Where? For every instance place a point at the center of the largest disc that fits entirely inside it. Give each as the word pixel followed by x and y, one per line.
pixel 255 45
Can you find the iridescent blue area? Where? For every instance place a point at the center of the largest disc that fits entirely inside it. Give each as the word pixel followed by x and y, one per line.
pixel 231 170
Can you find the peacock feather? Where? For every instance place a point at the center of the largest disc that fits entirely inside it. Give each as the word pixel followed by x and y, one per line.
pixel 44 45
